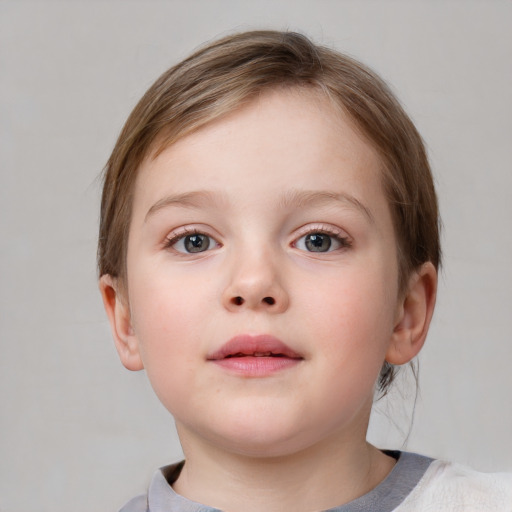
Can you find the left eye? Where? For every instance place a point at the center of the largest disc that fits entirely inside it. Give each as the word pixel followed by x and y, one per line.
pixel 194 243
pixel 319 242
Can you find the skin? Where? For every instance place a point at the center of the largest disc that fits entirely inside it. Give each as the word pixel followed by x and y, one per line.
pixel 257 182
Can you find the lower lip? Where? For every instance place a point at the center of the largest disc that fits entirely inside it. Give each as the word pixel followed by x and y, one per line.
pixel 250 366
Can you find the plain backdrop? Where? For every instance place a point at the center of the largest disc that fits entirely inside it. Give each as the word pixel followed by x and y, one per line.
pixel 78 431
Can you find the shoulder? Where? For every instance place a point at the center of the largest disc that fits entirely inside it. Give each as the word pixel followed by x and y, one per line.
pixel 447 487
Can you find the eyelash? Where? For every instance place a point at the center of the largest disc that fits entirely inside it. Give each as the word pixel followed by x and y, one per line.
pixel 344 242
pixel 174 238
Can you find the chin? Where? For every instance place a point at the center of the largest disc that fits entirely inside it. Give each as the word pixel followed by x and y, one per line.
pixel 264 439
pixel 263 448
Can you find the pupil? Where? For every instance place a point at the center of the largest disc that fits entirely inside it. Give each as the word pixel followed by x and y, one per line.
pixel 196 243
pixel 317 242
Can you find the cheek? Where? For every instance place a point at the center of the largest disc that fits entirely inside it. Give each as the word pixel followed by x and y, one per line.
pixel 166 318
pixel 353 314
pixel 166 339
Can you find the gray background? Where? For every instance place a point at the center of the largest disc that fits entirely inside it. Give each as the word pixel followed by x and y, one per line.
pixel 80 433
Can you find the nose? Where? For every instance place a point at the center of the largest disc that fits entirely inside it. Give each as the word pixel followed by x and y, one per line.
pixel 255 283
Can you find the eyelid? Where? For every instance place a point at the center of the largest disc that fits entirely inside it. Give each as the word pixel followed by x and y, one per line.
pixel 179 233
pixel 328 229
pixel 339 234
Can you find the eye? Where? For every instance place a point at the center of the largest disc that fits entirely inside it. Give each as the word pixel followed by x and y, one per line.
pixel 191 243
pixel 319 241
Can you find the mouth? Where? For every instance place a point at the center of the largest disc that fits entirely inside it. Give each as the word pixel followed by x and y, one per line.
pixel 254 346
pixel 255 356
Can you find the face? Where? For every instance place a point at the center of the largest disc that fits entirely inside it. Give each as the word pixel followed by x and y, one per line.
pixel 262 277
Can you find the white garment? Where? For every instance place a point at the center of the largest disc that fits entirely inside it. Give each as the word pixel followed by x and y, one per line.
pixel 448 487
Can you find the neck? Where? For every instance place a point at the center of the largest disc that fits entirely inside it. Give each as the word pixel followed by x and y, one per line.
pixel 317 478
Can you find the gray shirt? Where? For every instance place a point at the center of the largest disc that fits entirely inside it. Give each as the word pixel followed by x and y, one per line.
pixel 388 495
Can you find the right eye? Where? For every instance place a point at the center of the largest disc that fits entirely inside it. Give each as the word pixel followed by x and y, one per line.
pixel 191 243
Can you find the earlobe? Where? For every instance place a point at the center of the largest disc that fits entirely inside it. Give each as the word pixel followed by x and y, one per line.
pixel 119 316
pixel 415 312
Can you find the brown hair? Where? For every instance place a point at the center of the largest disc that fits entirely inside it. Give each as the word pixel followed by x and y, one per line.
pixel 224 75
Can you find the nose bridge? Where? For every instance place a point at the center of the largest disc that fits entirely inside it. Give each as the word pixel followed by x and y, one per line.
pixel 254 279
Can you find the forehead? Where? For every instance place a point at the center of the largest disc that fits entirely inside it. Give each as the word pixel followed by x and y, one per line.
pixel 279 126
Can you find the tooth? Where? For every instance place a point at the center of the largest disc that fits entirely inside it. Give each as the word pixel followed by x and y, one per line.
pixel 262 354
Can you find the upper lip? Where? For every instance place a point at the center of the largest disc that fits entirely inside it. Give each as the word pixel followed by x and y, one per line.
pixel 248 345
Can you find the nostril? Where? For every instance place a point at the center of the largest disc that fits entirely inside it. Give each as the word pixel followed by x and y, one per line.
pixel 269 300
pixel 238 301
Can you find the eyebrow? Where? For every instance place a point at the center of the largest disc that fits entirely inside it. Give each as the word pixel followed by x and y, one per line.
pixel 292 198
pixel 300 198
pixel 194 199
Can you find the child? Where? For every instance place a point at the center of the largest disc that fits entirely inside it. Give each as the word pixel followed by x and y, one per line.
pixel 268 252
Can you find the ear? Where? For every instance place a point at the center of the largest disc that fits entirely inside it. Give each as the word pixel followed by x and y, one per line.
pixel 414 313
pixel 118 312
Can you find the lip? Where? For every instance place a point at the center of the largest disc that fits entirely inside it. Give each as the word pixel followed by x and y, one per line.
pixel 255 356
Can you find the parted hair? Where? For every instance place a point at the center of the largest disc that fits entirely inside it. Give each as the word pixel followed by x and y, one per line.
pixel 226 74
